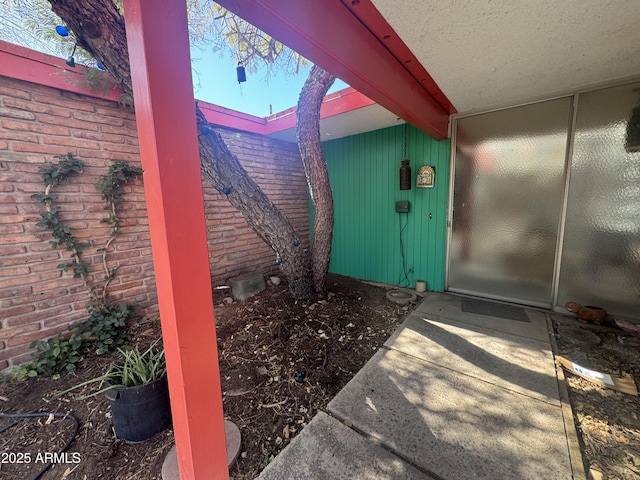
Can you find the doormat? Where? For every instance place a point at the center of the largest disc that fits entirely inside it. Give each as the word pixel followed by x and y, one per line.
pixel 492 309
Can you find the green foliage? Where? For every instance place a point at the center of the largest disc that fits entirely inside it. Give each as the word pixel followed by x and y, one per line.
pixel 50 220
pixel 99 82
pixel 125 100
pixel 105 330
pixel 138 368
pixel 54 174
pixel 62 172
pixel 54 356
pixel 134 369
pixel 107 325
pixel 214 27
pixel 111 186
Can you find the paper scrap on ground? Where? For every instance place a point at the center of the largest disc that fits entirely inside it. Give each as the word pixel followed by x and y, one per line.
pixel 623 384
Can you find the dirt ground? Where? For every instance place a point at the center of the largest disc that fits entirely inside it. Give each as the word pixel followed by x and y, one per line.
pixel 281 363
pixel 607 421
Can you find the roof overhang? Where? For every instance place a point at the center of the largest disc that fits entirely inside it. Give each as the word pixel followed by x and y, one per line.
pixel 479 55
pixel 353 41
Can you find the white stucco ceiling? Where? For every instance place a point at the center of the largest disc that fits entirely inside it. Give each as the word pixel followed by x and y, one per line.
pixel 493 53
pixel 499 52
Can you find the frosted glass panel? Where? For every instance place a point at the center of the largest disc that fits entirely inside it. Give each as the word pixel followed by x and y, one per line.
pixel 601 251
pixel 509 169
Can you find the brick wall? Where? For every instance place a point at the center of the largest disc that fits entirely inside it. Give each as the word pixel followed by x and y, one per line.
pixel 37 122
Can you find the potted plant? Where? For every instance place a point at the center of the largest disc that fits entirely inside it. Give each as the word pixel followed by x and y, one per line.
pixel 138 393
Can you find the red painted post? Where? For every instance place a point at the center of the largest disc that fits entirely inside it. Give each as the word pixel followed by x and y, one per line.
pixel 163 94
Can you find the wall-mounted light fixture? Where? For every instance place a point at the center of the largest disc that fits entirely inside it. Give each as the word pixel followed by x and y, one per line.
pixel 405 175
pixel 405 168
pixel 91 30
pixel 64 32
pixel 71 61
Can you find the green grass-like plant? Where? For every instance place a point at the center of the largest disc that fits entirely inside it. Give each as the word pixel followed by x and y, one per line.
pixel 134 369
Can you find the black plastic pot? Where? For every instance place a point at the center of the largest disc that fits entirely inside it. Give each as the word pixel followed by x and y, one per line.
pixel 140 412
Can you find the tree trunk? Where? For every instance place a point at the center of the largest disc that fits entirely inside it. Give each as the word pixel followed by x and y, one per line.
pixel 105 39
pixel 315 167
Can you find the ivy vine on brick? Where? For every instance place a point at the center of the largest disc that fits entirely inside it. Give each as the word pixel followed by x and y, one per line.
pixel 106 327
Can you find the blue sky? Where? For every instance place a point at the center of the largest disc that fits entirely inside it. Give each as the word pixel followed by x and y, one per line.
pixel 215 82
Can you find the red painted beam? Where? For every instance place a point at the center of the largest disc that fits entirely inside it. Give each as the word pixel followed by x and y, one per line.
pixel 369 15
pixel 331 35
pixel 165 116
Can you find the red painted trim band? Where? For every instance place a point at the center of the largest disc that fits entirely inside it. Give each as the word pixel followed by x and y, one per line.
pixel 30 66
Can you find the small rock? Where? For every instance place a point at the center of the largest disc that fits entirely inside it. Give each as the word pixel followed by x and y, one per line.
pixel 275 281
pixel 595 474
pixel 227 300
pixel 628 341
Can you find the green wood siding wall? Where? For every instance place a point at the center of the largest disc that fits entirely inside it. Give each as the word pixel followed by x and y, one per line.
pixel 364 175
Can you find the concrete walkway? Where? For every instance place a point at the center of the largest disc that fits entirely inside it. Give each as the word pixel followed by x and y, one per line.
pixel 454 396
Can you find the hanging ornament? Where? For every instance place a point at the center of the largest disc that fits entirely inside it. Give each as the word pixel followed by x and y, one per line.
pixel 62 30
pixel 278 260
pixel 240 73
pixel 296 243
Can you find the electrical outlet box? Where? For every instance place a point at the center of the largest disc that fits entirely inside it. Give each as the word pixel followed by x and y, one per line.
pixel 402 206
